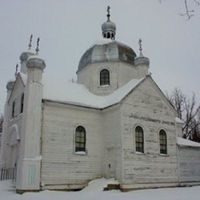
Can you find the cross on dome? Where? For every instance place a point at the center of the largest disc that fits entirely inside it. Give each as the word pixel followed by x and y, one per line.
pixel 108 27
pixel 16 69
pixel 30 42
pixel 140 47
pixel 37 47
pixel 108 15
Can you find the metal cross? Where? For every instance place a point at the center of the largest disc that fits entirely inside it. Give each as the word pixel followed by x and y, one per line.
pixel 108 13
pixel 140 47
pixel 16 70
pixel 30 42
pixel 37 47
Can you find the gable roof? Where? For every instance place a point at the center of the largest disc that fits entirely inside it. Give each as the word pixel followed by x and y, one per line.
pixel 22 78
pixel 163 95
pixel 78 94
pixel 184 142
pixel 72 93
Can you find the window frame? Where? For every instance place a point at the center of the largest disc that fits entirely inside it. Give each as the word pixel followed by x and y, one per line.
pixel 80 140
pixel 163 142
pixel 104 77
pixel 139 139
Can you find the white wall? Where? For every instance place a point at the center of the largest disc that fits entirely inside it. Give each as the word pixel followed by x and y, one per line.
pixel 120 74
pixel 9 153
pixel 61 166
pixel 147 108
pixel 189 164
pixel 112 142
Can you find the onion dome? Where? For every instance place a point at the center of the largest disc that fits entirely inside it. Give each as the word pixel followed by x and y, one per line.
pixel 108 27
pixel 10 85
pixel 141 60
pixel 107 51
pixel 36 62
pixel 24 56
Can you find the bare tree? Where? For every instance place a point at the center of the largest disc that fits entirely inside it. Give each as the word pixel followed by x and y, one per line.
pixel 191 117
pixel 177 99
pixel 189 111
pixel 189 8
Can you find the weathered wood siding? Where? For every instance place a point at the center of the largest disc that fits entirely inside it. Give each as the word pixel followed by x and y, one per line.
pixel 112 142
pixel 189 164
pixel 146 107
pixel 10 153
pixel 120 74
pixel 60 164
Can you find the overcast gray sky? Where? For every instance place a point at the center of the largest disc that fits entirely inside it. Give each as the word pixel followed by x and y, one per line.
pixel 68 27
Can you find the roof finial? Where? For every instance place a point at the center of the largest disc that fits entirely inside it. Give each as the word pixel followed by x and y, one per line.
pixel 108 13
pixel 140 47
pixel 16 70
pixel 37 47
pixel 30 42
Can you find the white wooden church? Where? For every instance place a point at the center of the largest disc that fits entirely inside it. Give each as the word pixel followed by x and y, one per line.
pixel 113 122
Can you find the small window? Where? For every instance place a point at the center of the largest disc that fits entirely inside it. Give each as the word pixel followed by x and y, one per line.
pixel 104 77
pixel 80 139
pixel 163 142
pixel 22 103
pixel 139 139
pixel 13 109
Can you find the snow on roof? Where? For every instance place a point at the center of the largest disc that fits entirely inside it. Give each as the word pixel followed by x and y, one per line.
pixel 34 56
pixel 102 42
pixel 179 121
pixel 185 142
pixel 78 94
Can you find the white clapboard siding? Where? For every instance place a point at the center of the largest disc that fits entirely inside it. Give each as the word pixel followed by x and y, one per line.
pixel 146 107
pixel 60 163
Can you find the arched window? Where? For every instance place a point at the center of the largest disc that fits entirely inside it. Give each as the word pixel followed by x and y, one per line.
pixel 104 77
pixel 163 142
pixel 22 103
pixel 80 139
pixel 139 139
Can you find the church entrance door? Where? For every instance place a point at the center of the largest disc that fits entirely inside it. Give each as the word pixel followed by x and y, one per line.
pixel 110 164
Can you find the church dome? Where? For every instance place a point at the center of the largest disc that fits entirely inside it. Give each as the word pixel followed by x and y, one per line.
pixel 108 30
pixel 108 27
pixel 107 51
pixel 141 60
pixel 25 55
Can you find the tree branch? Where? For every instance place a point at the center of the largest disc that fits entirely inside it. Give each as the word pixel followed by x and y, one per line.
pixel 188 13
pixel 197 2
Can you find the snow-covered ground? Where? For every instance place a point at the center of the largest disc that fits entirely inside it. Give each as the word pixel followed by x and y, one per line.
pixel 94 191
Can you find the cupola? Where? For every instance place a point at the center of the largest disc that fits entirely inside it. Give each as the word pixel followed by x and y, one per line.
pixel 108 27
pixel 141 59
pixel 25 55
